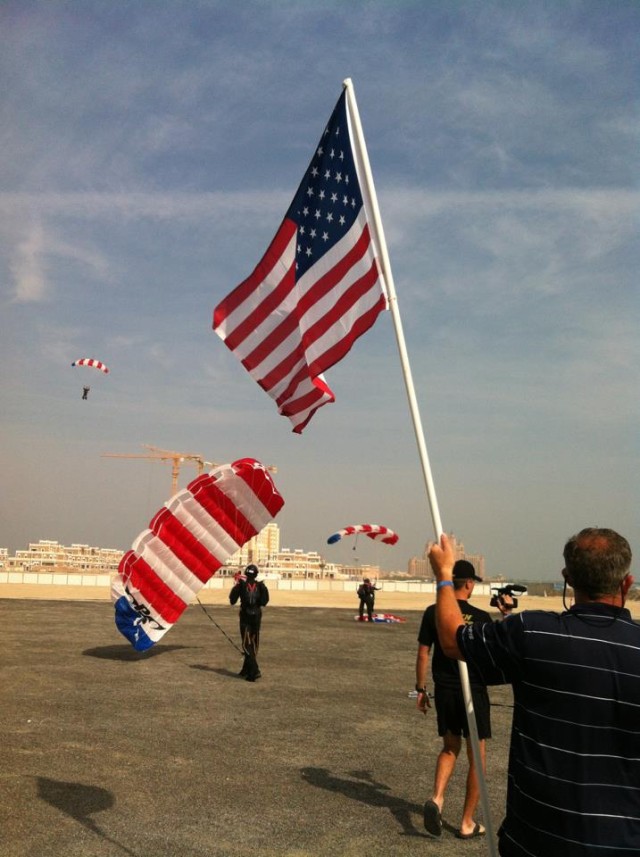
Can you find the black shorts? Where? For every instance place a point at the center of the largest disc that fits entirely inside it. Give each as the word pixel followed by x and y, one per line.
pixel 451 712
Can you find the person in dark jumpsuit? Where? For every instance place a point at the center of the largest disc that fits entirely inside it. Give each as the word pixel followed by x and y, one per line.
pixel 253 596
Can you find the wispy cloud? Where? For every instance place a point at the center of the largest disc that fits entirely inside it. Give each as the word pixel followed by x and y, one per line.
pixel 28 269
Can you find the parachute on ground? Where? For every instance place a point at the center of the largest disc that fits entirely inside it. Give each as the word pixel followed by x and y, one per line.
pixel 373 531
pixel 382 618
pixel 187 541
pixel 89 361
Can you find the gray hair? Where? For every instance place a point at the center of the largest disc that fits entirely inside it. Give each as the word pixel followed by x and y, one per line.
pixel 597 560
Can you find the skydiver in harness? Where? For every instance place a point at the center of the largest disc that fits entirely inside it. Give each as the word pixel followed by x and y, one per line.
pixel 367 595
pixel 253 596
pixel 85 392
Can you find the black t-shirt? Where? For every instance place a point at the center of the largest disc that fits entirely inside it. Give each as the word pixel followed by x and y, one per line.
pixel 445 670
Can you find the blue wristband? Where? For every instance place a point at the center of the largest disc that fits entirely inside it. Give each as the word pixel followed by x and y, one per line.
pixel 442 583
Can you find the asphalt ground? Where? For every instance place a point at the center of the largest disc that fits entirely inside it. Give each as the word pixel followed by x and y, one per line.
pixel 108 752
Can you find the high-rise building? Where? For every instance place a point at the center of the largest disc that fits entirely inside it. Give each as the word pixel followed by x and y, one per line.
pixel 420 567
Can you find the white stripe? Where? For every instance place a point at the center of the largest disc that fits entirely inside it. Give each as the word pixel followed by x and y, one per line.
pixel 539 743
pixel 607 727
pixel 581 695
pixel 167 566
pixel 316 311
pixel 202 526
pixel 565 636
pixel 242 495
pixel 337 331
pixel 573 811
pixel 255 298
pixel 572 665
pixel 578 783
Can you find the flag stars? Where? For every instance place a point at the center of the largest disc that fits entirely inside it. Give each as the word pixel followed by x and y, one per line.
pixel 309 191
pixel 338 177
pixel 321 195
pixel 325 236
pixel 334 197
pixel 327 174
pixel 342 220
pixel 314 172
pixel 329 218
pixel 332 154
pixel 317 214
pixel 305 210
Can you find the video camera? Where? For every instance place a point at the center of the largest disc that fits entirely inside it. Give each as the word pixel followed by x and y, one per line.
pixel 506 590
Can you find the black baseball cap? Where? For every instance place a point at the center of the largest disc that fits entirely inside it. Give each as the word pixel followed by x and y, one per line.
pixel 463 570
pixel 251 569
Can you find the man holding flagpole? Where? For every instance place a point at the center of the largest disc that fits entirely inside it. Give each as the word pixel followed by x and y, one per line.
pixel 574 762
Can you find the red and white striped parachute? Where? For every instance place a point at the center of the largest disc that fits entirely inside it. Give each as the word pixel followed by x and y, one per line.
pixel 373 531
pixel 89 361
pixel 187 541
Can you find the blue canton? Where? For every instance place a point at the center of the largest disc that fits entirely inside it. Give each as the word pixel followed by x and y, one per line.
pixel 328 200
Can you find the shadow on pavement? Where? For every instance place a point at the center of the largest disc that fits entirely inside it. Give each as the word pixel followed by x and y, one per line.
pixel 80 802
pixel 365 789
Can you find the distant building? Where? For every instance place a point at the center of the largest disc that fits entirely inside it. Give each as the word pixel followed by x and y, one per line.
pixel 263 549
pixel 47 555
pixel 419 567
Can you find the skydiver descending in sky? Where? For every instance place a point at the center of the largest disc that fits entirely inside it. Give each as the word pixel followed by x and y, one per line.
pixel 85 392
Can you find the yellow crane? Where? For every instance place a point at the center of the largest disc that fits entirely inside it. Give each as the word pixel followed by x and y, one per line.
pixel 176 459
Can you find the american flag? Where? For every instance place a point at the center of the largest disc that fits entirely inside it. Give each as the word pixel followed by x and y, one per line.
pixel 317 288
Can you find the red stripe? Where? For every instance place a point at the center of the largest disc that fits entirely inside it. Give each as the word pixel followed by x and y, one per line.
pixel 224 511
pixel 323 286
pixel 152 588
pixel 276 294
pixel 334 316
pixel 262 270
pixel 300 405
pixel 261 484
pixel 340 347
pixel 328 281
pixel 184 545
pixel 333 355
pixel 276 336
pixel 284 369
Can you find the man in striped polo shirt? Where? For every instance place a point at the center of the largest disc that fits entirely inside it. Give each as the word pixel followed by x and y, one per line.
pixel 574 764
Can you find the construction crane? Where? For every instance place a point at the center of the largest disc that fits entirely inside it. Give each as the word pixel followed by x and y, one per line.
pixel 176 459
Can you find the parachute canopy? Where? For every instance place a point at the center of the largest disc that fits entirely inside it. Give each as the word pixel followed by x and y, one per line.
pixel 373 531
pixel 187 541
pixel 89 361
pixel 382 618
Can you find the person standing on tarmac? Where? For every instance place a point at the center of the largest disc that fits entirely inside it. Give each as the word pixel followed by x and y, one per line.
pixel 253 596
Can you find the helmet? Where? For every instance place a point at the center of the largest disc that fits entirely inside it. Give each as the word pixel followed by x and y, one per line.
pixel 251 569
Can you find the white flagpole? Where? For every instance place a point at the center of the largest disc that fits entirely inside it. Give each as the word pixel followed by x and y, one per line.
pixel 364 169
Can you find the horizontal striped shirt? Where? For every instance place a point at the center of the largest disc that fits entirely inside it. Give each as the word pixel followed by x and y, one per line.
pixel 574 765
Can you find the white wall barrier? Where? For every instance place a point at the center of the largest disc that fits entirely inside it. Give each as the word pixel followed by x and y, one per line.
pixel 296 584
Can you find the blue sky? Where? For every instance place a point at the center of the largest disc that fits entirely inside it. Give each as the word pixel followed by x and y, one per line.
pixel 149 152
